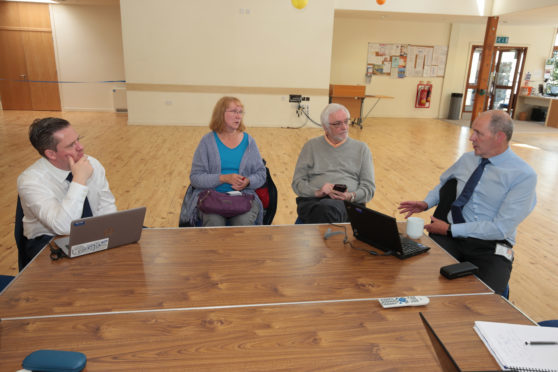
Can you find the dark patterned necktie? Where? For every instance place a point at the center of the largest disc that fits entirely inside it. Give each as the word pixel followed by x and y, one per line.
pixel 459 203
pixel 86 207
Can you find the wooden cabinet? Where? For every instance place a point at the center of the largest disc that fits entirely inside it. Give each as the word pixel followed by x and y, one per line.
pixel 526 103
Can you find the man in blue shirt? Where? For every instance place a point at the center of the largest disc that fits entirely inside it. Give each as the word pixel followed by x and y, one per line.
pixel 481 228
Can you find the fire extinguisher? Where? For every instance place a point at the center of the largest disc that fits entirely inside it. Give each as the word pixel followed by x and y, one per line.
pixel 424 92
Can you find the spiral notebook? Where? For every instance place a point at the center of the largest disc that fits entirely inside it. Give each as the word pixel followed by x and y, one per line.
pixel 510 344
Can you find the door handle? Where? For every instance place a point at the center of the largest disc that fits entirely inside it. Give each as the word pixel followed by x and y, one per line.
pixel 22 77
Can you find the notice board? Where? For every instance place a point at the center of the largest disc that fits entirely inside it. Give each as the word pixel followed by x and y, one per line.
pixel 407 60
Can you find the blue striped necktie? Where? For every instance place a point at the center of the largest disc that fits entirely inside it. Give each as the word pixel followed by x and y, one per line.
pixel 86 207
pixel 459 203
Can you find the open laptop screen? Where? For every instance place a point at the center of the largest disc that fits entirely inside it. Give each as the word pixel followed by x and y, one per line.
pixel 374 228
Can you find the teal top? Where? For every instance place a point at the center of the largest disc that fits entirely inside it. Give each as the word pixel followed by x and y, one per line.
pixel 230 159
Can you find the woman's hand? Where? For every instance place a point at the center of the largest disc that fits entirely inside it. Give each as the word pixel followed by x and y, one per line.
pixel 236 181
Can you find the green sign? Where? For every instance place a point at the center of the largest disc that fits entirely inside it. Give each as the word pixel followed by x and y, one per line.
pixel 502 39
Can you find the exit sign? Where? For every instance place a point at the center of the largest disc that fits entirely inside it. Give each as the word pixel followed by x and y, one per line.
pixel 502 39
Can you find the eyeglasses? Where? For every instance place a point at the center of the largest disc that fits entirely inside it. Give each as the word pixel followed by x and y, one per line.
pixel 236 112
pixel 73 144
pixel 337 124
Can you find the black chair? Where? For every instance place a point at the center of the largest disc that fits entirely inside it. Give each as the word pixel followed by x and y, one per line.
pixel 4 281
pixel 20 239
pixel 447 197
pixel 549 323
pixel 269 212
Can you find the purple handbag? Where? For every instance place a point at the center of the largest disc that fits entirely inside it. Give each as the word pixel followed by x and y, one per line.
pixel 223 204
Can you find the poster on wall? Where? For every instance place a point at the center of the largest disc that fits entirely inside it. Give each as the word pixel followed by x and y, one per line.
pixel 402 60
pixel 380 57
pixel 439 58
pixel 419 60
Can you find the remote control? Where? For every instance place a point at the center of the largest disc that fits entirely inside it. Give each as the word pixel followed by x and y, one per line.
pixel 388 302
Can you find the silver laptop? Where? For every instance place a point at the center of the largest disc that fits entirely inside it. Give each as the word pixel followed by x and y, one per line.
pixel 93 234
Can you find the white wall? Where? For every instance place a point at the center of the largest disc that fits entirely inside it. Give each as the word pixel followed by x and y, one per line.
pixel 510 6
pixel 537 39
pixel 198 51
pixel 88 48
pixel 350 42
pixel 182 55
pixel 349 58
pixel 462 7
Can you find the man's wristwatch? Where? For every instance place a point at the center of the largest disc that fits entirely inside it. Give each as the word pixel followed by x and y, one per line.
pixel 449 231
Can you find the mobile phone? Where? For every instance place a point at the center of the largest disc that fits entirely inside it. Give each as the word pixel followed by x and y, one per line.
pixel 340 187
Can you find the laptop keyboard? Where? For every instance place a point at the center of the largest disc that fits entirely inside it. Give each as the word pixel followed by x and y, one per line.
pixel 410 247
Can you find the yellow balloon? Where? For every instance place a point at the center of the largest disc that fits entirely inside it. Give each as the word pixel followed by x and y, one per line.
pixel 299 4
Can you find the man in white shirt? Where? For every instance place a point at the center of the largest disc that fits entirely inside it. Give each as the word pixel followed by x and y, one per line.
pixel 62 186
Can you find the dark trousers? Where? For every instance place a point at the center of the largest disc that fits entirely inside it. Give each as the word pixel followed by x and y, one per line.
pixel 321 210
pixel 494 270
pixel 32 247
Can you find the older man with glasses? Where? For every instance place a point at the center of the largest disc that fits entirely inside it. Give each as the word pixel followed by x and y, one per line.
pixel 331 169
pixel 62 186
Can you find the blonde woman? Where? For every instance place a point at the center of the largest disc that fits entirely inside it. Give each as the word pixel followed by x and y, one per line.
pixel 226 160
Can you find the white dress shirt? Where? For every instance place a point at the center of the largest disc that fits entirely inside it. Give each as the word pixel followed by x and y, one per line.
pixel 50 203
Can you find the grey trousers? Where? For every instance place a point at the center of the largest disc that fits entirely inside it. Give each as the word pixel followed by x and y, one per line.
pixel 245 219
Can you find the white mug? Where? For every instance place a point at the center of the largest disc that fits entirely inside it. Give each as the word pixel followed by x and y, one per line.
pixel 415 225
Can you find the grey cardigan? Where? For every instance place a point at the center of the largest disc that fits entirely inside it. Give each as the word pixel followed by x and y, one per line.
pixel 206 169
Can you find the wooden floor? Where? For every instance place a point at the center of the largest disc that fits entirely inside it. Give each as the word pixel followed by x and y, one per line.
pixel 149 165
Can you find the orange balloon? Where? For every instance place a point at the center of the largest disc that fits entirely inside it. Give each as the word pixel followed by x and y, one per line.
pixel 381 2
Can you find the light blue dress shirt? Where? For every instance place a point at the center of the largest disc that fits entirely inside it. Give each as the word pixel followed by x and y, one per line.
pixel 504 196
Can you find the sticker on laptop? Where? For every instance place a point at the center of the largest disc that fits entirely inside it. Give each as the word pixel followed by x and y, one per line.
pixel 89 247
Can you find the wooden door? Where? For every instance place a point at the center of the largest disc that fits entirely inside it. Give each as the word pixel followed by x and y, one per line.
pixel 27 62
pixel 14 91
pixel 505 72
pixel 505 85
pixel 41 70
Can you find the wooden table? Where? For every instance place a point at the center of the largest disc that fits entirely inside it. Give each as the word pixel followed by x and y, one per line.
pixel 352 97
pixel 256 298
pixel 378 98
pixel 358 119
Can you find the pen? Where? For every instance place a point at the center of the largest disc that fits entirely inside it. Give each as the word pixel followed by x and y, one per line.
pixel 541 343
